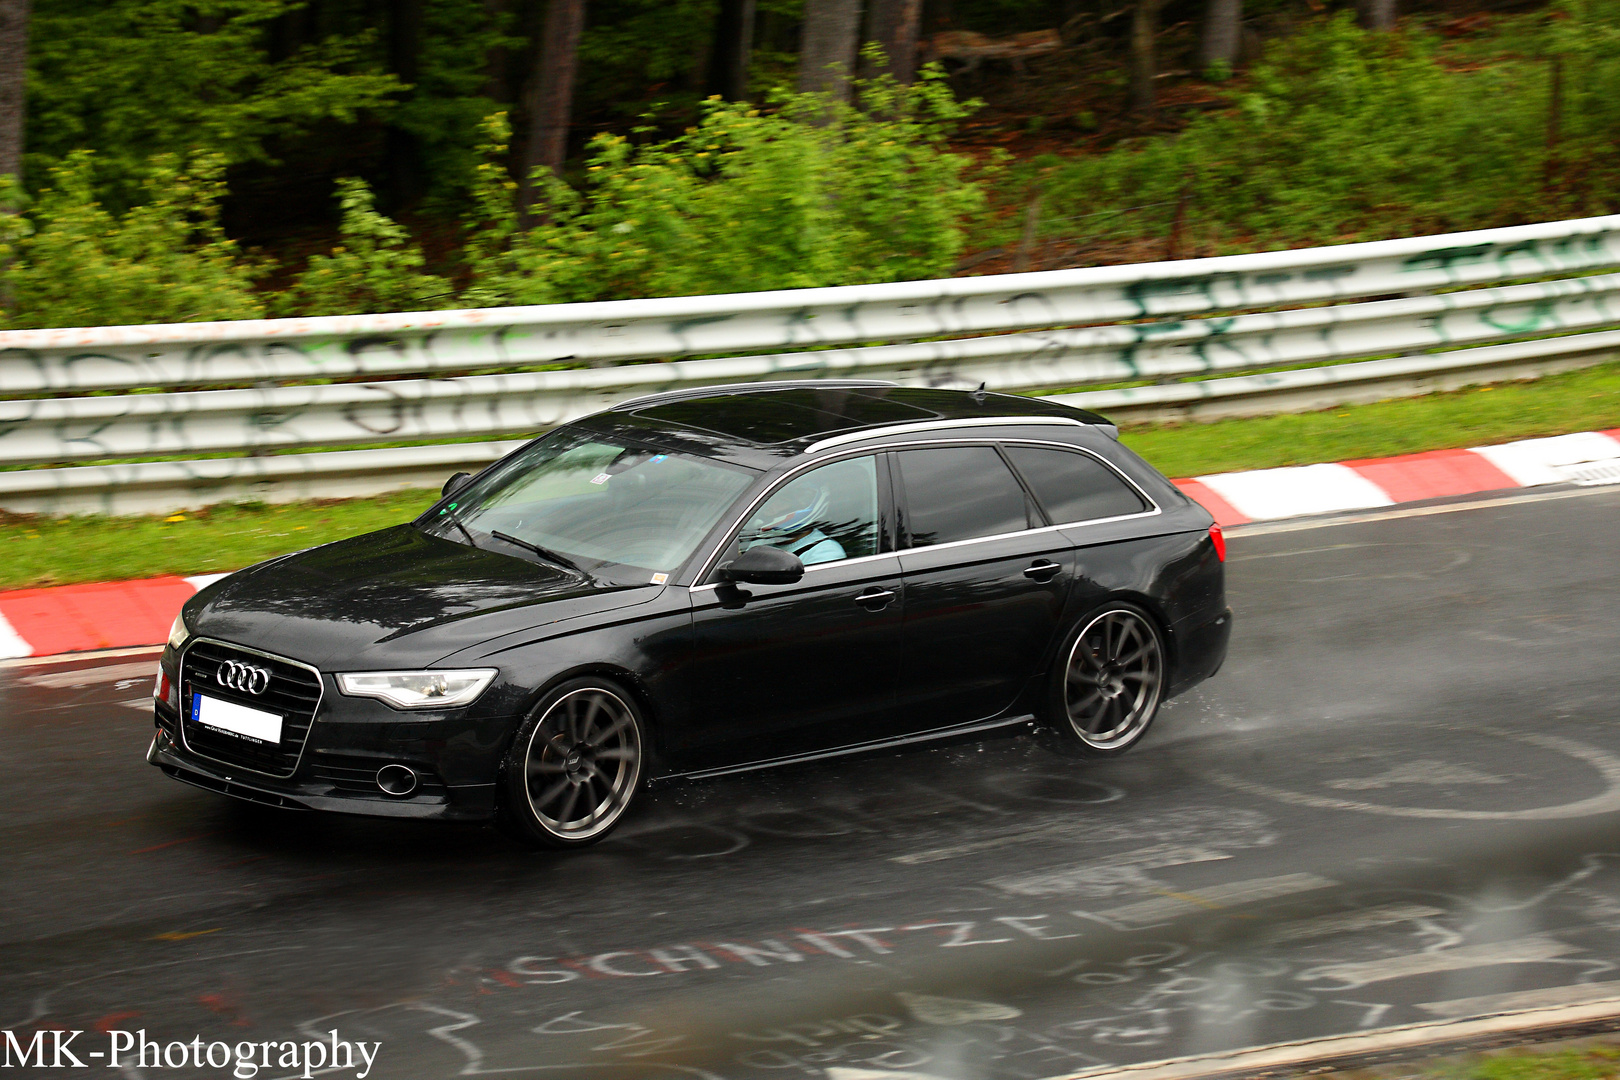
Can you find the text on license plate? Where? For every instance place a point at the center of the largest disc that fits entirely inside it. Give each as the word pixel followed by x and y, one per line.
pixel 237 719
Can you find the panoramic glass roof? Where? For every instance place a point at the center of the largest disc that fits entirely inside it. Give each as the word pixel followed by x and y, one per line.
pixel 785 415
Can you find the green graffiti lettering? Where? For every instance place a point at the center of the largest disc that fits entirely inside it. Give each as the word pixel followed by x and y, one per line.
pixel 1448 258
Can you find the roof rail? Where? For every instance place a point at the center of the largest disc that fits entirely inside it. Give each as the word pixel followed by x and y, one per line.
pixel 741 388
pixel 879 431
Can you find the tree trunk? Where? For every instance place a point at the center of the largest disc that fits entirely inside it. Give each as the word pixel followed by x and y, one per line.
pixel 13 84
pixel 827 52
pixel 733 46
pixel 1223 34
pixel 894 25
pixel 1376 14
pixel 1144 28
pixel 550 93
pixel 403 153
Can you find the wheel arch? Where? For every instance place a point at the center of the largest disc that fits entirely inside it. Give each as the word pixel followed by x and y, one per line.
pixel 1151 607
pixel 616 673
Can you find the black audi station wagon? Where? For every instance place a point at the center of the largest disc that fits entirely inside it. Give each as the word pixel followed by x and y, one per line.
pixel 700 582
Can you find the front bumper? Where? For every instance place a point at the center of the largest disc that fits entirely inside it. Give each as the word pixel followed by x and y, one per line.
pixel 343 782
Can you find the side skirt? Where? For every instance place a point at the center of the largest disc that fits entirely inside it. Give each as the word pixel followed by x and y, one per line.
pixel 845 751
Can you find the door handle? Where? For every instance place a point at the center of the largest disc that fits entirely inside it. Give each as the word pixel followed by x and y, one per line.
pixel 1042 570
pixel 875 599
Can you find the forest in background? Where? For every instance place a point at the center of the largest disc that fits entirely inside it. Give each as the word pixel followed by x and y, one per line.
pixel 181 160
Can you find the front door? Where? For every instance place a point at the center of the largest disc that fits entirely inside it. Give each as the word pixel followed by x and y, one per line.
pixel 986 583
pixel 779 670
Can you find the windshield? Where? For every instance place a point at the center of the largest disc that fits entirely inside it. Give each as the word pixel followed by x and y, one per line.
pixel 596 502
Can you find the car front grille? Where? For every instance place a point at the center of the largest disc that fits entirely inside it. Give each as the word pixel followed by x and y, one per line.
pixel 294 692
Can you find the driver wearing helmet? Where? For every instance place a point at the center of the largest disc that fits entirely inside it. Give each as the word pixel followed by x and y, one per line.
pixel 795 527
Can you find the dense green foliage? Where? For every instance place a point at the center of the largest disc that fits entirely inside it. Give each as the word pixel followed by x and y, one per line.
pixel 376 268
pixel 131 79
pixel 136 184
pixel 1343 134
pixel 165 260
pixel 803 194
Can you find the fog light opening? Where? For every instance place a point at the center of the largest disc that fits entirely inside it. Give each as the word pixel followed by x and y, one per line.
pixel 396 780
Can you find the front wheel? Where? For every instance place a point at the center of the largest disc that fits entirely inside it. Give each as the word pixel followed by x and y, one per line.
pixel 1108 681
pixel 575 765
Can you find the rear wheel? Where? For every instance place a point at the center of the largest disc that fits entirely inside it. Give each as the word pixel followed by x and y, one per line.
pixel 1108 682
pixel 575 766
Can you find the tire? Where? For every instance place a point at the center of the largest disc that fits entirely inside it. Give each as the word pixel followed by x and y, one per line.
pixel 1108 681
pixel 575 767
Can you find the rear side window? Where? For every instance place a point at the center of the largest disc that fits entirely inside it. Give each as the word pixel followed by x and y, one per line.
pixel 1074 487
pixel 958 493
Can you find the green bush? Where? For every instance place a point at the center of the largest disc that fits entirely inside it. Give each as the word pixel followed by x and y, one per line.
pixel 165 260
pixel 377 267
pixel 812 193
pixel 1345 134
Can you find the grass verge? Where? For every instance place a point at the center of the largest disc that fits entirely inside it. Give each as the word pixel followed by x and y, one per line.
pixel 1585 400
pixel 1583 1059
pixel 46 551
pixel 60 551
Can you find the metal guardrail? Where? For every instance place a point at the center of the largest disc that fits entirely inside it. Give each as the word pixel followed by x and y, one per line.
pixel 350 385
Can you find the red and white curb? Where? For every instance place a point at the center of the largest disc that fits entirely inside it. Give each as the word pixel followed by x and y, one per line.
pixel 102 615
pixel 1588 457
pixel 123 614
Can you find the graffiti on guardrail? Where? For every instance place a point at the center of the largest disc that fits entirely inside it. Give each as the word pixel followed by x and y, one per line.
pixel 254 387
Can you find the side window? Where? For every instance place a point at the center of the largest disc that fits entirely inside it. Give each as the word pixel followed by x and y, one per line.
pixel 960 492
pixel 1073 486
pixel 826 514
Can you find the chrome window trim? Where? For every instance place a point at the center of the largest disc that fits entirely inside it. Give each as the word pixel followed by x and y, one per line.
pixel 1154 512
pixel 729 533
pixel 1021 532
pixel 938 425
pixel 731 529
pixel 180 724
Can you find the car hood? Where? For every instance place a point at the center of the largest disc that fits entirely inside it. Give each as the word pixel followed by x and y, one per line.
pixel 394 597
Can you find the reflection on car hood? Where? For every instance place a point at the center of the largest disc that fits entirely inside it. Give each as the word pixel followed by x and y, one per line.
pixel 394 597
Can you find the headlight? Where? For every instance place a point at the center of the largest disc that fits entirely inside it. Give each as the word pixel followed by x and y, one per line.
pixel 179 633
pixel 418 689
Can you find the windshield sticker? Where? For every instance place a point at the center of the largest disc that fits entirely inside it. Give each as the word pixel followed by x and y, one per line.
pixel 601 478
pixel 659 579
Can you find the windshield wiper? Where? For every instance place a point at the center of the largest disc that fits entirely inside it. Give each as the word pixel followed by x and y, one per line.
pixel 454 520
pixel 545 553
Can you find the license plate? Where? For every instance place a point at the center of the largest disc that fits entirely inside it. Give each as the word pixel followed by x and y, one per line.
pixel 254 724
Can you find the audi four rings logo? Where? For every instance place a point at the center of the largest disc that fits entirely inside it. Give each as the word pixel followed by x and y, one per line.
pixel 244 677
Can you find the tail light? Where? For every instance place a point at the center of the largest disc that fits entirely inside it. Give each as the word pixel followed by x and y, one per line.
pixel 1219 540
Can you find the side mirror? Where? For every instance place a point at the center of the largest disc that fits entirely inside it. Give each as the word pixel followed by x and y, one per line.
pixel 763 566
pixel 455 484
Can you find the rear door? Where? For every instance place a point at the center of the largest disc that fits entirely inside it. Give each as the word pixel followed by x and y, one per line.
pixel 985 583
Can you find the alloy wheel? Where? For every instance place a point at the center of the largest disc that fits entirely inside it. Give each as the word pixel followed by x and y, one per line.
pixel 582 764
pixel 1113 679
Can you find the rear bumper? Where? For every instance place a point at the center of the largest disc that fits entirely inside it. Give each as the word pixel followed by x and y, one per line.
pixel 443 803
pixel 1200 652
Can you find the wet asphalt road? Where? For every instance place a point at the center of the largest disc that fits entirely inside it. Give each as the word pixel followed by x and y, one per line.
pixel 1400 800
